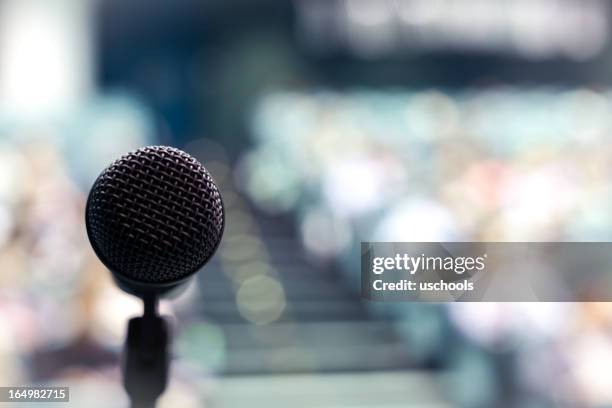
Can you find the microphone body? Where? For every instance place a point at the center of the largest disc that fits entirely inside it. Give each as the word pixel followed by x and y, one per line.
pixel 154 217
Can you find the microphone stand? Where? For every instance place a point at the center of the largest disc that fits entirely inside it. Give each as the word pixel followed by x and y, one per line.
pixel 146 356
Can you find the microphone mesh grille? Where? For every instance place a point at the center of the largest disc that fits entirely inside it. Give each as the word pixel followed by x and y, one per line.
pixel 155 215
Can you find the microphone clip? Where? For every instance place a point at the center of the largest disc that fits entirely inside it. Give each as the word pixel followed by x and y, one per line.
pixel 146 357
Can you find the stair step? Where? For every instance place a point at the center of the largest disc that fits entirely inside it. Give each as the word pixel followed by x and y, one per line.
pixel 310 334
pixel 226 311
pixel 219 290
pixel 360 390
pixel 321 358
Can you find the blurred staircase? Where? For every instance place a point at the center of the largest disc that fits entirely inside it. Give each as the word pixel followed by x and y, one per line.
pixel 324 350
pixel 324 327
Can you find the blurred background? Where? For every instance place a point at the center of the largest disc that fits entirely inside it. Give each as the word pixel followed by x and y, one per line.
pixel 326 123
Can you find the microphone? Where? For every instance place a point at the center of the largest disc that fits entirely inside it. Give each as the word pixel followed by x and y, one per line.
pixel 154 217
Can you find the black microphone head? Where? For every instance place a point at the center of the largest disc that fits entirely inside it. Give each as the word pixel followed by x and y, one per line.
pixel 154 217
